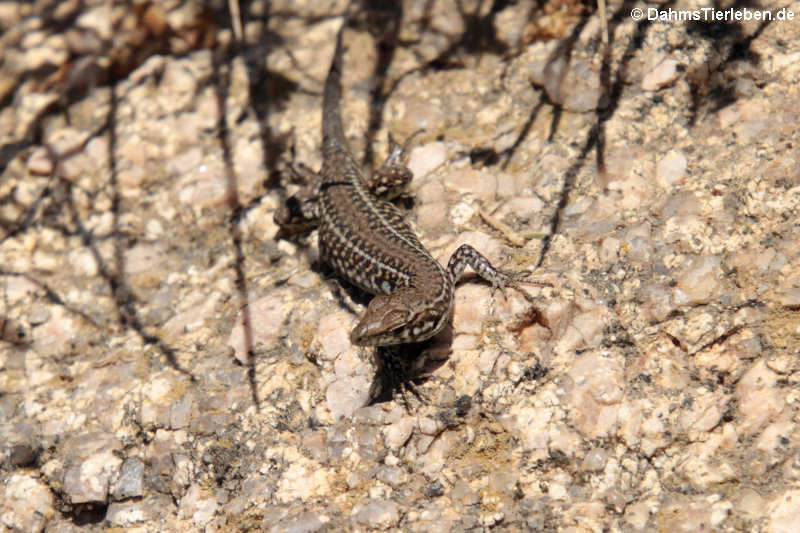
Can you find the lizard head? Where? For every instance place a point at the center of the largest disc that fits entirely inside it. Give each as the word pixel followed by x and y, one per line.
pixel 394 319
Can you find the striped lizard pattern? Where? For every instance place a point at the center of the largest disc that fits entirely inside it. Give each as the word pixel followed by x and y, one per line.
pixel 366 240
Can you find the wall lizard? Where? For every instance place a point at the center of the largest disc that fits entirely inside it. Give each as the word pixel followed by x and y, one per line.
pixel 366 241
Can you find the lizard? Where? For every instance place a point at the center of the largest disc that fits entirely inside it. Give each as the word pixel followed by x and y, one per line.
pixel 368 243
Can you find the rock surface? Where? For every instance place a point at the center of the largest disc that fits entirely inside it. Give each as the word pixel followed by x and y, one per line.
pixel 168 363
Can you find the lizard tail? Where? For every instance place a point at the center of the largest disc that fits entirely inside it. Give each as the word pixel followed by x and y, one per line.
pixel 332 131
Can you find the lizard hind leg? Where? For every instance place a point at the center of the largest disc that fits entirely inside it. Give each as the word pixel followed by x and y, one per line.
pixel 300 212
pixel 393 176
